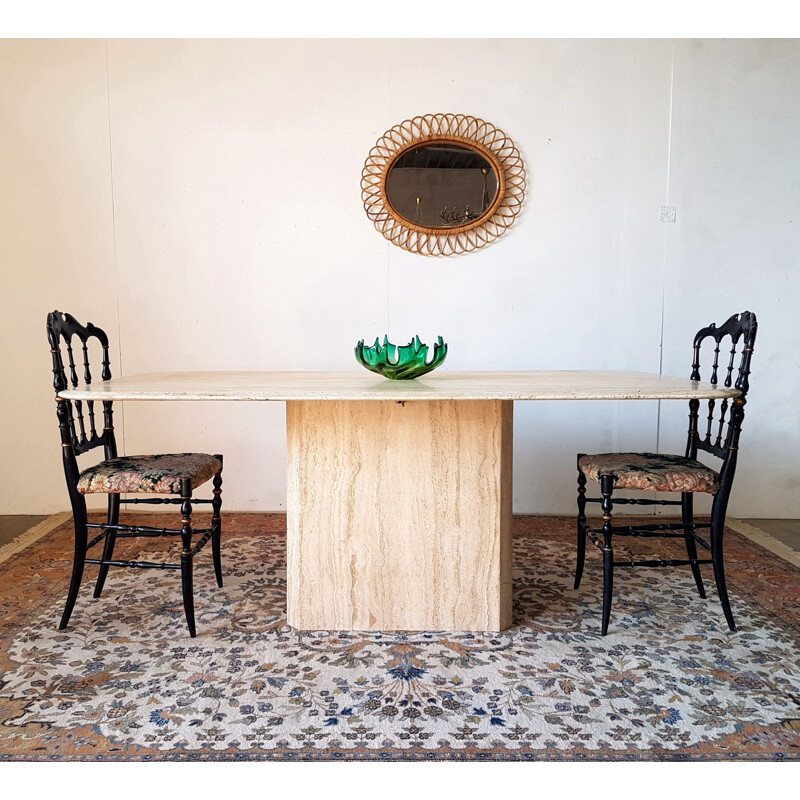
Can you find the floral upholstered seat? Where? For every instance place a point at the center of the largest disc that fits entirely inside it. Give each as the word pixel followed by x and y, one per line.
pixel 160 474
pixel 651 471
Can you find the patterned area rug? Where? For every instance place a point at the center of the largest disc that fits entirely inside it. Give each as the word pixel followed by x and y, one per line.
pixel 669 682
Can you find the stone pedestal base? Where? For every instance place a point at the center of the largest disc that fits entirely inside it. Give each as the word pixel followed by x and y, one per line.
pixel 399 514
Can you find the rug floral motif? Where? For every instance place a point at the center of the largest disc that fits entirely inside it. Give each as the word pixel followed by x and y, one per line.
pixel 669 682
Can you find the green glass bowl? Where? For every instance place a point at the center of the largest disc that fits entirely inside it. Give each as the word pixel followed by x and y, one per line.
pixel 400 363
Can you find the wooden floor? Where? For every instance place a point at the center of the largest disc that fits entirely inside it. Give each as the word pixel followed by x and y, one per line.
pixel 785 530
pixel 12 525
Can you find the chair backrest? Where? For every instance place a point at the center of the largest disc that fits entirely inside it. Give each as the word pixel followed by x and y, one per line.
pixel 80 430
pixel 721 437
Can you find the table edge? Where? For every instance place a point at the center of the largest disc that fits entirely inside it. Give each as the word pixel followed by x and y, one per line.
pixel 403 391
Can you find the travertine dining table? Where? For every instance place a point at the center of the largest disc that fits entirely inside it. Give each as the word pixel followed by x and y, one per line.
pixel 399 492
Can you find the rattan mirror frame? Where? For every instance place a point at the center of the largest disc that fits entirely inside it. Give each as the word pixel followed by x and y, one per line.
pixel 471 132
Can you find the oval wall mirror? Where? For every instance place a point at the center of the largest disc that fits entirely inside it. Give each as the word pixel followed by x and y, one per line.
pixel 443 184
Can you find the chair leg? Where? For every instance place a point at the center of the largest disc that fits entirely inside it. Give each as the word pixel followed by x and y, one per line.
pixel 717 532
pixel 187 557
pixel 108 546
pixel 606 488
pixel 79 558
pixel 581 550
pixel 687 515
pixel 216 525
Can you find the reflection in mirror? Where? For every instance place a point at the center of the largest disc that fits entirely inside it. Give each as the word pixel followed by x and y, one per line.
pixel 441 185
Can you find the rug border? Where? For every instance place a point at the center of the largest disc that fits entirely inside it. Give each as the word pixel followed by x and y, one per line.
pixel 751 532
pixel 396 755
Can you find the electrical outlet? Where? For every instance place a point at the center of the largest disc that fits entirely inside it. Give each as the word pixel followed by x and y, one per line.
pixel 668 214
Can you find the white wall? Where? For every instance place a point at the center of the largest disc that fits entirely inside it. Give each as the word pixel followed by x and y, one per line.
pixel 200 200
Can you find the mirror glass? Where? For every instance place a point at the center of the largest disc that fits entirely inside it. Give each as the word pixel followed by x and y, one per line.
pixel 441 185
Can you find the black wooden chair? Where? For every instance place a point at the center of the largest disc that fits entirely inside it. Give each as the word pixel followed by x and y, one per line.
pixel 175 474
pixel 674 473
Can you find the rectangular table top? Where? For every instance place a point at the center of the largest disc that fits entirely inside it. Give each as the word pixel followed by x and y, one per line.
pixel 440 385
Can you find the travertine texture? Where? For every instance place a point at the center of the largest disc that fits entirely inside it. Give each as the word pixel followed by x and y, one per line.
pixel 399 515
pixel 532 385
